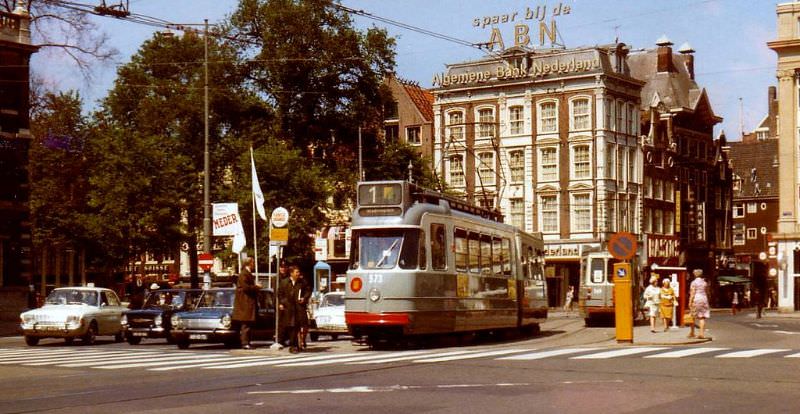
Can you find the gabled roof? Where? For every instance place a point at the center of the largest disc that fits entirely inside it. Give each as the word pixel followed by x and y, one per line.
pixel 422 98
pixel 675 89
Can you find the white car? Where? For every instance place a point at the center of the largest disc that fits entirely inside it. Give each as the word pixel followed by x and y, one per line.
pixel 329 317
pixel 75 312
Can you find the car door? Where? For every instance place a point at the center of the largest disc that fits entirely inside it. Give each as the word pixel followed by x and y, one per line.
pixel 265 317
pixel 115 312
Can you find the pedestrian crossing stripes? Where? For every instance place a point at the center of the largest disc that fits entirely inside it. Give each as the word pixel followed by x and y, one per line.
pixel 160 360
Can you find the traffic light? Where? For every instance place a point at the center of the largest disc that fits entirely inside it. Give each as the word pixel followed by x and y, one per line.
pixel 700 218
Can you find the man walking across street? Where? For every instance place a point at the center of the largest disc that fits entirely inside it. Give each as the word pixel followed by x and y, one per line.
pixel 245 304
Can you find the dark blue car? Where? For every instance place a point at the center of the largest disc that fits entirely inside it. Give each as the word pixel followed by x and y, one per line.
pixel 210 321
pixel 154 319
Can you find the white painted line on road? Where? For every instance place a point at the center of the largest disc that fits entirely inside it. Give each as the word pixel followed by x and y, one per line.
pixel 406 358
pixel 765 325
pixel 619 353
pixel 165 361
pixel 360 389
pixel 336 360
pixel 279 360
pixel 33 352
pixel 14 359
pixel 797 355
pixel 207 364
pixel 685 352
pixel 128 358
pixel 751 353
pixel 60 360
pixel 787 332
pixel 547 354
pixel 469 356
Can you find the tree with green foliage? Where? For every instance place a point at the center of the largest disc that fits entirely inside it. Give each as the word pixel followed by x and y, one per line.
pixel 150 143
pixel 322 76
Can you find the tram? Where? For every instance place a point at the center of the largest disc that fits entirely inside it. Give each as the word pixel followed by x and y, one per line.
pixel 423 263
pixel 596 288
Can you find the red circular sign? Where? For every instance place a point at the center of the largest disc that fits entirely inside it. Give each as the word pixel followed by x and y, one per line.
pixel 205 261
pixel 622 246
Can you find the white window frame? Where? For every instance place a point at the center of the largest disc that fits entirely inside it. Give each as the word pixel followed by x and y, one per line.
pixel 579 209
pixel 484 171
pixel 516 165
pixel 550 165
pixel 455 130
pixel 486 123
pixel 516 125
pixel 738 210
pixel 416 142
pixel 549 214
pixel 752 233
pixel 517 210
pixel 752 207
pixel 574 172
pixel 580 121
pixel 452 173
pixel 540 118
pixel 619 124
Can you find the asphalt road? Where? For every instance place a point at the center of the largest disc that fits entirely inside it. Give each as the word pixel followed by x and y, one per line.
pixel 751 366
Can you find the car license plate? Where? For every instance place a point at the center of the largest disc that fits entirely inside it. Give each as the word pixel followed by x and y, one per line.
pixel 139 333
pixel 198 336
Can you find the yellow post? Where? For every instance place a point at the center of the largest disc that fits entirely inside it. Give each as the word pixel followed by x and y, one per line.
pixel 623 304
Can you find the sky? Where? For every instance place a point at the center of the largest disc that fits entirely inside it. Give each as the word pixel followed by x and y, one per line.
pixel 732 61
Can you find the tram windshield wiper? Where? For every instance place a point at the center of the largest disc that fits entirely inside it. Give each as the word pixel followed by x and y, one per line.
pixel 387 253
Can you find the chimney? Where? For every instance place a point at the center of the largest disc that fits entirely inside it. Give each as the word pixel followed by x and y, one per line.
pixel 688 58
pixel 772 111
pixel 664 55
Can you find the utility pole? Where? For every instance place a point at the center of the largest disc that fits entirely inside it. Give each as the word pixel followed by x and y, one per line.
pixel 206 162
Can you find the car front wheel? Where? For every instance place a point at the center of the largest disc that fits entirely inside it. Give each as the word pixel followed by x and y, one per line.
pixel 133 340
pixel 69 341
pixel 91 334
pixel 31 340
pixel 182 343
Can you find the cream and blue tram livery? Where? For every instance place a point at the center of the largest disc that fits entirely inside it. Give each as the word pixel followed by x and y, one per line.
pixel 423 263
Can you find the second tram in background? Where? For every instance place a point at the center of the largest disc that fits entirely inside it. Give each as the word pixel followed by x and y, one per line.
pixel 422 263
pixel 596 291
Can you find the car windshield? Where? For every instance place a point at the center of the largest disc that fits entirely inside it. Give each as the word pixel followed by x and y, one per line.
pixel 332 300
pixel 72 297
pixel 216 299
pixel 169 299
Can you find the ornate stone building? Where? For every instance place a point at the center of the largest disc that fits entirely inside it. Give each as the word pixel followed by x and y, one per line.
pixel 787 47
pixel 550 137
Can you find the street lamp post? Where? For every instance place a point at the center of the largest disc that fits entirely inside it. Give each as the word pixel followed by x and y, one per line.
pixel 206 161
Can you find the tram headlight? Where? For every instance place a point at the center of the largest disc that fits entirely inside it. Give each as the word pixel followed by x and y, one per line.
pixel 356 284
pixel 374 294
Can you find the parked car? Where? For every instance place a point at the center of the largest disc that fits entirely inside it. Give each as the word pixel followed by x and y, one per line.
pixel 210 321
pixel 329 317
pixel 74 312
pixel 154 319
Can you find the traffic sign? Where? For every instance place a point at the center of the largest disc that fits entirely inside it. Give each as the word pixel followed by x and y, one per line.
pixel 280 217
pixel 622 245
pixel 205 261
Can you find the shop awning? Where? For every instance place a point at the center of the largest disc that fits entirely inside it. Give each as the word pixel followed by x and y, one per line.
pixel 727 280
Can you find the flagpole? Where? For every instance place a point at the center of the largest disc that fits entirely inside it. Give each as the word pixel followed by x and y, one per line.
pixel 253 197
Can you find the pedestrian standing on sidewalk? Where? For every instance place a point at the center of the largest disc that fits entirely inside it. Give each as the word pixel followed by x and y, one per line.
pixel 568 300
pixel 698 303
pixel 302 303
pixel 245 302
pixel 651 297
pixel 667 298
pixel 734 302
pixel 292 313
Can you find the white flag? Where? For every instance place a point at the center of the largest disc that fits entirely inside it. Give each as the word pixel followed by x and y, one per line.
pixel 258 196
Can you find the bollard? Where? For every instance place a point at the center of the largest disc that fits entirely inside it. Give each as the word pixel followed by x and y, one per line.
pixel 623 303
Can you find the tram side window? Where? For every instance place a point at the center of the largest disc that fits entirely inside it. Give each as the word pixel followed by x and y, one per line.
pixel 438 247
pixel 486 255
pixel 506 253
pixel 474 253
pixel 423 258
pixel 497 256
pixel 462 250
pixel 413 249
pixel 597 271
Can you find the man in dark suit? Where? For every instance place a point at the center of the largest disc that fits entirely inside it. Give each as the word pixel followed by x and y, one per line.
pixel 293 298
pixel 245 303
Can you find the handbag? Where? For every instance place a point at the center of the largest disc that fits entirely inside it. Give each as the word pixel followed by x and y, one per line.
pixel 688 319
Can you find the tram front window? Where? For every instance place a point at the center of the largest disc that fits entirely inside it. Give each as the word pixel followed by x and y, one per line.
pixel 385 249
